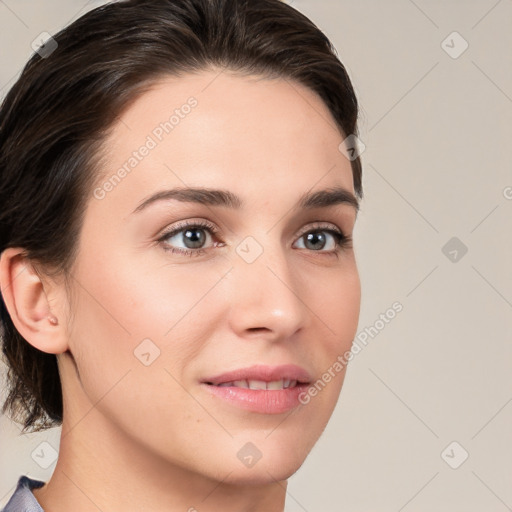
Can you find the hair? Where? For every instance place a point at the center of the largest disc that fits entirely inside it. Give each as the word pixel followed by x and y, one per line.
pixel 55 117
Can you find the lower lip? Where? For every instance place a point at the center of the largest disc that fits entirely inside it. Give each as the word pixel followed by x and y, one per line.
pixel 274 401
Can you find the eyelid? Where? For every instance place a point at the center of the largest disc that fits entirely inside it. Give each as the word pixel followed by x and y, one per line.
pixel 318 225
pixel 180 226
pixel 176 228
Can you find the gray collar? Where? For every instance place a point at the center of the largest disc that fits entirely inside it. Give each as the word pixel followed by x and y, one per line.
pixel 23 500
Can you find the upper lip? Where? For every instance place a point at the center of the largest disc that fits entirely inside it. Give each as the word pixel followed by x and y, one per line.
pixel 262 373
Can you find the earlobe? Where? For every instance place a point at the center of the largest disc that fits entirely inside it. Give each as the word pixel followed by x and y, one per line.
pixel 25 295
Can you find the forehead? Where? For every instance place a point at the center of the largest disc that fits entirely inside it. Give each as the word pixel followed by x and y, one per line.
pixel 248 133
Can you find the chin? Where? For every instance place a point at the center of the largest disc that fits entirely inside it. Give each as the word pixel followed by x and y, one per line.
pixel 265 461
pixel 265 473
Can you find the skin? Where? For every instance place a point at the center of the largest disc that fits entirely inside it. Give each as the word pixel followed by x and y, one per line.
pixel 138 437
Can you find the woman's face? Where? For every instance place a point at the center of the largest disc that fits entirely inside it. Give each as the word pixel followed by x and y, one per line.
pixel 263 281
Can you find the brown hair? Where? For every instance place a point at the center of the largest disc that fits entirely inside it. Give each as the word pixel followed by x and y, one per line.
pixel 54 118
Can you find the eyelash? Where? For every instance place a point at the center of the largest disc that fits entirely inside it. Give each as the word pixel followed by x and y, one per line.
pixel 342 241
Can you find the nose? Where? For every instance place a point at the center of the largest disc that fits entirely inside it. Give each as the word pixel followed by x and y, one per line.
pixel 266 296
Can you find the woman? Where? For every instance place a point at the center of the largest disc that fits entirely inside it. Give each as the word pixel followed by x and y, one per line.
pixel 178 192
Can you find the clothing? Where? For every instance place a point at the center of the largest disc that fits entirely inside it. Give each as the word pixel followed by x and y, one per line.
pixel 23 500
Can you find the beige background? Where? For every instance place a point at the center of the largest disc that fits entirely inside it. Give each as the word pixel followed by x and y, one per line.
pixel 437 165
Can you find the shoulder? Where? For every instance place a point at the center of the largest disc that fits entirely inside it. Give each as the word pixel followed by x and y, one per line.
pixel 22 499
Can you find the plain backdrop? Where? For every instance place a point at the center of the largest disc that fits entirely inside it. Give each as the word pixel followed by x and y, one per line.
pixel 424 421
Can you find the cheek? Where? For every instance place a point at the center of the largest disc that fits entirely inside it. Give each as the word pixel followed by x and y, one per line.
pixel 133 308
pixel 335 303
pixel 338 310
pixel 158 297
pixel 129 369
pixel 143 299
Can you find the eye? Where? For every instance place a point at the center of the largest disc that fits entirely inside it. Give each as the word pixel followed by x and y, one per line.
pixel 193 235
pixel 322 237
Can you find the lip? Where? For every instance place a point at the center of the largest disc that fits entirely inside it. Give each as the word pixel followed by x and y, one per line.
pixel 262 372
pixel 259 400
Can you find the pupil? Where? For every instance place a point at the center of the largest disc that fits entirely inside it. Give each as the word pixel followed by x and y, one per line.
pixel 316 236
pixel 192 237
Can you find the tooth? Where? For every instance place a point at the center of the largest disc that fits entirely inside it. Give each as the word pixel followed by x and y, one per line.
pixel 275 384
pixel 286 383
pixel 225 384
pixel 257 384
pixel 241 384
pixel 293 383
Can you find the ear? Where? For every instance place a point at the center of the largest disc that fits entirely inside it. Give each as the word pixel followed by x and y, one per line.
pixel 27 299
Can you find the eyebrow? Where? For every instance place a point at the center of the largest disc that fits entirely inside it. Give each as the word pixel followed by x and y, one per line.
pixel 220 197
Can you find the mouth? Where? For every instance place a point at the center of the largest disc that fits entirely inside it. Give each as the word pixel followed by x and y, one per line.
pixel 262 389
pixel 260 384
pixel 262 377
